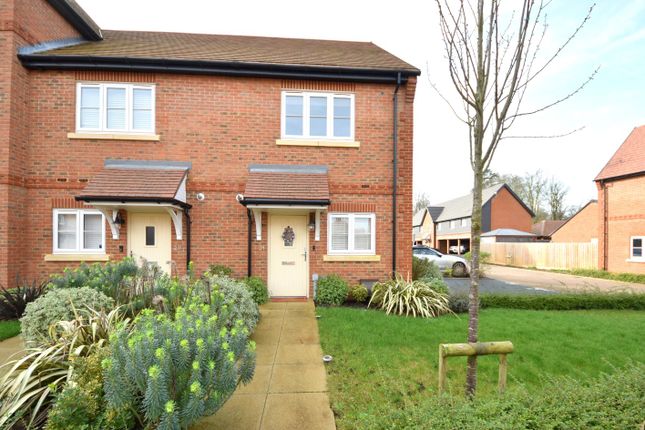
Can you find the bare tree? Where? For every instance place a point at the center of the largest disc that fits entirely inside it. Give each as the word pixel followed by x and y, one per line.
pixel 421 201
pixel 492 61
pixel 534 192
pixel 557 192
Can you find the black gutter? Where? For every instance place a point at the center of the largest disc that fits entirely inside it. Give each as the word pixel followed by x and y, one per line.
pixel 119 199
pixel 78 19
pixel 395 166
pixel 283 202
pixel 248 245
pixel 189 221
pixel 228 68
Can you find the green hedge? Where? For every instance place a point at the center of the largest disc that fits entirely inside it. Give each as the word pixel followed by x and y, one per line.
pixel 610 402
pixel 564 302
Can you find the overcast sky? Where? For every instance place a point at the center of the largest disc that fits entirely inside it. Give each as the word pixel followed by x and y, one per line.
pixel 609 108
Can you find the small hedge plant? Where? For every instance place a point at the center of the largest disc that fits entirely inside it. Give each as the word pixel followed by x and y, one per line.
pixel 239 299
pixel 59 305
pixel 565 302
pixel 425 269
pixel 219 269
pixel 402 296
pixel 331 290
pixel 258 289
pixel 358 294
pixel 172 372
pixel 13 301
pixel 106 278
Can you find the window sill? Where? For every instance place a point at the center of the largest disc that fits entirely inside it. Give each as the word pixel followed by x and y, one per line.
pixel 77 257
pixel 350 257
pixel 635 260
pixel 323 143
pixel 115 136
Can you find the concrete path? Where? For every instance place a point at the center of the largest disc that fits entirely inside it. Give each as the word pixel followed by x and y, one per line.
pixel 9 347
pixel 289 390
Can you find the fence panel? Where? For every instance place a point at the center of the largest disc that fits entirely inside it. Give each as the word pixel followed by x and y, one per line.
pixel 544 255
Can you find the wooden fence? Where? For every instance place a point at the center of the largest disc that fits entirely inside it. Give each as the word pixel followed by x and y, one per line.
pixel 544 255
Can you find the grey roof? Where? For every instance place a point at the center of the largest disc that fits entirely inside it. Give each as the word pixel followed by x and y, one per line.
pixel 506 232
pixel 111 163
pixel 288 168
pixel 462 207
pixel 78 18
pixel 417 220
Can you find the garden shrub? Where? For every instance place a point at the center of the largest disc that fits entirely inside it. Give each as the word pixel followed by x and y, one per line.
pixel 258 289
pixel 564 302
pixel 239 300
pixel 612 401
pixel 459 303
pixel 436 284
pixel 59 305
pixel 425 269
pixel 106 278
pixel 331 290
pixel 404 297
pixel 173 372
pixel 219 269
pixel 484 259
pixel 358 294
pixel 13 301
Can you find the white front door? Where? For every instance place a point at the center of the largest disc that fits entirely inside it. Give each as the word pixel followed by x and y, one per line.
pixel 149 238
pixel 288 256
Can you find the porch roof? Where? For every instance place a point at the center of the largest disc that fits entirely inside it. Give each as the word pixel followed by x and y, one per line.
pixel 277 184
pixel 127 181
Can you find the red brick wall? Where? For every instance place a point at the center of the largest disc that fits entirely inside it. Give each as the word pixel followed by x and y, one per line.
pixel 625 217
pixel 507 212
pixel 221 125
pixel 583 227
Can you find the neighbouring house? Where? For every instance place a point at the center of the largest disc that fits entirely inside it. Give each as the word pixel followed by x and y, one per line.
pixel 281 158
pixel 446 226
pixel 501 235
pixel 422 228
pixel 621 207
pixel 544 229
pixel 581 227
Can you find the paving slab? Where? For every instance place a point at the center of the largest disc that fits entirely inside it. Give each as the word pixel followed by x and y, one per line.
pixel 9 347
pixel 289 388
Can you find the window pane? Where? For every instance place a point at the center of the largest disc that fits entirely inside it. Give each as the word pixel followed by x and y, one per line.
pixel 637 243
pixel 293 126
pixel 342 107
pixel 339 234
pixel 67 231
pixel 90 107
pixel 362 234
pixel 318 116
pixel 293 116
pixel 637 252
pixel 150 235
pixel 142 109
pixel 116 108
pixel 341 127
pixel 294 106
pixel 93 231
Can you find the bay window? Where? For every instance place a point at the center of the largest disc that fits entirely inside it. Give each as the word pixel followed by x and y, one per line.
pixel 78 231
pixel 351 233
pixel 115 108
pixel 311 115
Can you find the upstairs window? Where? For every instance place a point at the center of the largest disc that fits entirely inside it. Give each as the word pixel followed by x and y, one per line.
pixel 352 233
pixel 317 115
pixel 78 231
pixel 637 252
pixel 115 108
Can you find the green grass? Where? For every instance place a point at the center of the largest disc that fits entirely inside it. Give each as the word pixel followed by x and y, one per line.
pixel 9 329
pixel 384 362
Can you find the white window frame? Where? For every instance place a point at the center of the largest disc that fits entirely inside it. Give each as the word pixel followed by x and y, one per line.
pixel 631 249
pixel 80 246
pixel 103 87
pixel 351 216
pixel 306 95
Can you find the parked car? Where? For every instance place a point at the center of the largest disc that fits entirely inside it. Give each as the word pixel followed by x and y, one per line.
pixel 458 265
pixel 454 249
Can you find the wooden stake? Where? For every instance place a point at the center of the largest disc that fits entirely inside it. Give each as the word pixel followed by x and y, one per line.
pixel 502 373
pixel 443 370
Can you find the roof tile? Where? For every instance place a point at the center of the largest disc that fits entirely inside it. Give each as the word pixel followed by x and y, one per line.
pixel 145 184
pixel 629 159
pixel 287 186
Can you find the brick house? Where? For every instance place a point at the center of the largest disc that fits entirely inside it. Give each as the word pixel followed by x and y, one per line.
pixel 621 207
pixel 281 158
pixel 581 227
pixel 447 225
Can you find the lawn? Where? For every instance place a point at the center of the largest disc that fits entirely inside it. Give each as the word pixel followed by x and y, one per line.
pixel 9 329
pixel 383 363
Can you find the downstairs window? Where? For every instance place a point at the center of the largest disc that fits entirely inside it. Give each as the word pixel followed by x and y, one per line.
pixel 351 233
pixel 78 231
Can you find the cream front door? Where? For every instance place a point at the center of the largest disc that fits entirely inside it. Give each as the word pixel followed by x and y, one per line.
pixel 149 237
pixel 288 256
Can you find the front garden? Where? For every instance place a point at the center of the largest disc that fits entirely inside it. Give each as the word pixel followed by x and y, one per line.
pixel 578 360
pixel 116 346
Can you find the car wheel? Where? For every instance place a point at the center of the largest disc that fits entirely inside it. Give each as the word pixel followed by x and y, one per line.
pixel 459 270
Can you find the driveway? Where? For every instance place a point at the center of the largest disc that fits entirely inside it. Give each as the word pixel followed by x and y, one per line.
pixel 503 279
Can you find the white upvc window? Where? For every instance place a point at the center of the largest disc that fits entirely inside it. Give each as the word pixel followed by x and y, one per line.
pixel 317 115
pixel 351 233
pixel 115 108
pixel 78 231
pixel 465 222
pixel 637 248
